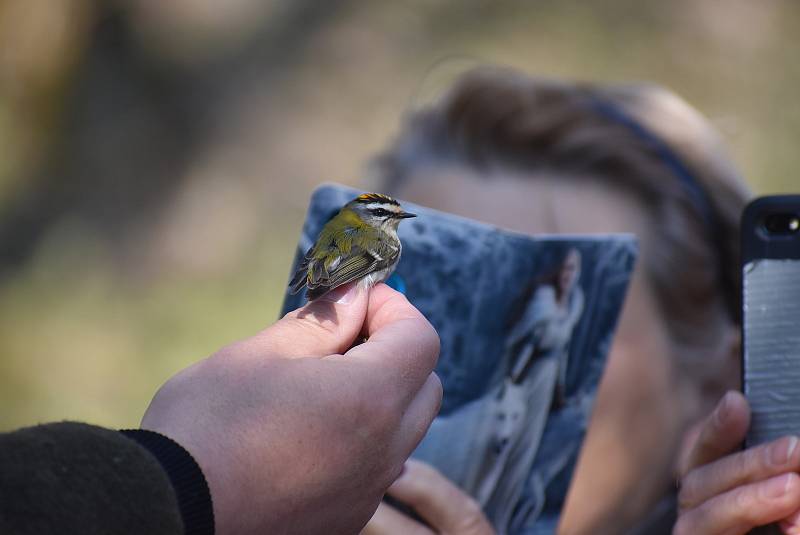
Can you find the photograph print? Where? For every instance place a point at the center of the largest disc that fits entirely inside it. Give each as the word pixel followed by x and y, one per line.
pixel 526 324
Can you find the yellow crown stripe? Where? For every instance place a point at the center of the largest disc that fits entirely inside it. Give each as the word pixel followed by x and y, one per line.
pixel 375 197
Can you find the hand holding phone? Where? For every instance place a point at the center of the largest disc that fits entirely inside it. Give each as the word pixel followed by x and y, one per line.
pixel 723 490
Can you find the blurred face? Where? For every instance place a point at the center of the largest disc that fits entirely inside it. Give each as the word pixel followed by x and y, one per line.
pixel 637 420
pixel 570 270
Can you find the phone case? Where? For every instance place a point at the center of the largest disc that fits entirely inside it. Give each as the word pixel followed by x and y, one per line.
pixel 771 321
pixel 525 326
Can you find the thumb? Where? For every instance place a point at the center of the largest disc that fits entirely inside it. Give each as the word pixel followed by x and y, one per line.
pixel 719 434
pixel 325 326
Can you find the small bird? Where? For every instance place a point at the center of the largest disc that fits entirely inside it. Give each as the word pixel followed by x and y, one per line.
pixel 360 242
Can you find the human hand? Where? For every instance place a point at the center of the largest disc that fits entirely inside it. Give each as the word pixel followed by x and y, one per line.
pixel 731 493
pixel 445 507
pixel 295 437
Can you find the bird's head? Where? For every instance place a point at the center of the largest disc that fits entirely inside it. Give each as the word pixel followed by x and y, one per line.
pixel 378 210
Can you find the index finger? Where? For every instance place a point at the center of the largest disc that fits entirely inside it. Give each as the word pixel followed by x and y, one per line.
pixel 401 343
pixel 752 465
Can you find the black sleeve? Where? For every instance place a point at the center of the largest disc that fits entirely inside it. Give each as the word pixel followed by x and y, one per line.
pixel 71 477
pixel 188 482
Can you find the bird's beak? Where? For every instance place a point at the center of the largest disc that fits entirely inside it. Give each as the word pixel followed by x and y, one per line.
pixel 405 215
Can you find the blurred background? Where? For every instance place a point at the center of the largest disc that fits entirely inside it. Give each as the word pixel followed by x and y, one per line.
pixel 156 157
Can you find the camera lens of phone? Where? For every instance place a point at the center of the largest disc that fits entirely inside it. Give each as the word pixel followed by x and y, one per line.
pixel 782 223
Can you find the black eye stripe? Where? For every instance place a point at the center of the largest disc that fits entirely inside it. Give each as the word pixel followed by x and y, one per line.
pixel 379 211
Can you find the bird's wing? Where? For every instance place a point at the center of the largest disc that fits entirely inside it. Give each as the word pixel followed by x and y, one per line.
pixel 358 263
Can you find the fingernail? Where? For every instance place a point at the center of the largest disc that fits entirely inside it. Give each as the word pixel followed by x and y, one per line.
pixel 781 451
pixel 343 295
pixel 723 408
pixel 777 486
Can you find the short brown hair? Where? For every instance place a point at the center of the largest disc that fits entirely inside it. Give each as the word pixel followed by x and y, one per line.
pixel 498 118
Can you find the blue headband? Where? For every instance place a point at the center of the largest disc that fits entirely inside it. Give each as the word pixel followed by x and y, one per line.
pixel 693 188
pixel 672 161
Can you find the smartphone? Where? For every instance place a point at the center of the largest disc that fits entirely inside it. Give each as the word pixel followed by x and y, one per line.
pixel 771 316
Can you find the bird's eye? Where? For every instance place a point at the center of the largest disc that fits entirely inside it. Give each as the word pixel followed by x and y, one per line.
pixel 380 212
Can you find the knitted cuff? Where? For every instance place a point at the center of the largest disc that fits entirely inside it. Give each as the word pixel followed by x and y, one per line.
pixel 191 489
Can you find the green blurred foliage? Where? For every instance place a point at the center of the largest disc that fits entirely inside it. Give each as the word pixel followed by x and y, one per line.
pixel 158 157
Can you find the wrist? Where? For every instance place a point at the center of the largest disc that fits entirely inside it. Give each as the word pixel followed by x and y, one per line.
pixel 188 481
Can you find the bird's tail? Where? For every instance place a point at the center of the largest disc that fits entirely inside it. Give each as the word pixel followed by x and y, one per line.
pixel 299 278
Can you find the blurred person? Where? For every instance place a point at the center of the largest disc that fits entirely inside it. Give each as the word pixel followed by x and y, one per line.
pixel 289 431
pixel 540 155
pixel 549 318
